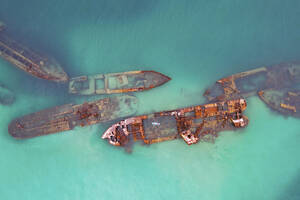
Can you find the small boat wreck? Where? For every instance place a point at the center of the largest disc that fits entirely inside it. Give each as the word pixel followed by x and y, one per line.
pixel 7 97
pixel 284 101
pixel 33 63
pixel 66 117
pixel 132 81
pixel 192 124
pixel 249 83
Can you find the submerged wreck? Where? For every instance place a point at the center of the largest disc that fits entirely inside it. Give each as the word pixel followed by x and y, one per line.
pixel 7 97
pixel 276 85
pixel 66 117
pixel 193 124
pixel 285 101
pixel 33 63
pixel 249 83
pixel 132 81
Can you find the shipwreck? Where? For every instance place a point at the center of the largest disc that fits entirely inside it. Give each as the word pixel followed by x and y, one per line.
pixel 249 83
pixel 192 124
pixel 31 62
pixel 285 101
pixel 66 117
pixel 277 86
pixel 131 81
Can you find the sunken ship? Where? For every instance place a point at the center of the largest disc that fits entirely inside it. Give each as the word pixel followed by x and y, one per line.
pixel 192 124
pixel 276 85
pixel 249 83
pixel 284 101
pixel 66 117
pixel 31 62
pixel 131 81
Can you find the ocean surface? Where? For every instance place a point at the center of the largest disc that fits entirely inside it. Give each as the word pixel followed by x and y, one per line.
pixel 195 42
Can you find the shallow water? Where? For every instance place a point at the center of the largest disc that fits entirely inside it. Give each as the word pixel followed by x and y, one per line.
pixel 195 43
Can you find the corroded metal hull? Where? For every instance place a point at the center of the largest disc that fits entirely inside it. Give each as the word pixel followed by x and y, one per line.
pixel 132 81
pixel 33 63
pixel 7 97
pixel 284 75
pixel 192 124
pixel 66 117
pixel 285 101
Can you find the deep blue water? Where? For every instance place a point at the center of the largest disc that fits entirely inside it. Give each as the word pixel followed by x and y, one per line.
pixel 195 43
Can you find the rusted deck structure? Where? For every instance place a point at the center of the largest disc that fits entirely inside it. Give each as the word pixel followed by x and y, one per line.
pixel 192 124
pixel 131 81
pixel 34 63
pixel 7 97
pixel 66 117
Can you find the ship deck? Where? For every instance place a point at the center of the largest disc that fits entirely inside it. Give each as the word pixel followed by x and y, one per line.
pixel 160 127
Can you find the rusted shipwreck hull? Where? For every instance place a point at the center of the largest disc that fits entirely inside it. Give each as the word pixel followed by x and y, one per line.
pixel 131 81
pixel 284 75
pixel 285 101
pixel 34 63
pixel 7 97
pixel 192 124
pixel 66 117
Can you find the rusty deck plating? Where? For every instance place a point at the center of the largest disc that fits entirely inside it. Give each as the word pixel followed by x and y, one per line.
pixel 33 63
pixel 192 124
pixel 132 81
pixel 66 117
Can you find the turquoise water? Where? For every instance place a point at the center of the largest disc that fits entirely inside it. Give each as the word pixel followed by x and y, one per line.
pixel 195 43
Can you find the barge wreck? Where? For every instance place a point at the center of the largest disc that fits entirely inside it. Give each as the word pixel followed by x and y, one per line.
pixel 66 117
pixel 31 62
pixel 193 124
pixel 131 81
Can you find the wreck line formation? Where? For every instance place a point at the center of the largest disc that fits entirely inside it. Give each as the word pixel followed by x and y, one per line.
pixel 66 117
pixel 33 63
pixel 132 81
pixel 192 124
